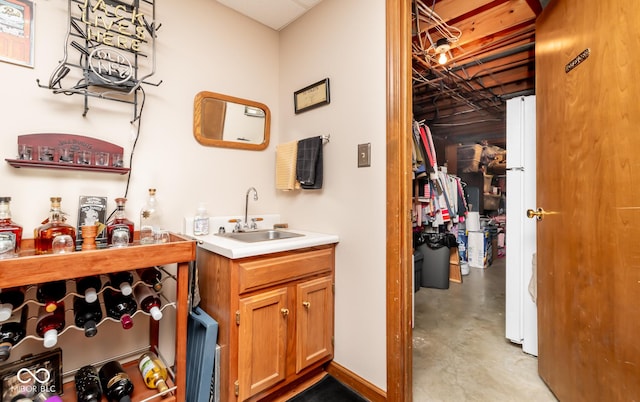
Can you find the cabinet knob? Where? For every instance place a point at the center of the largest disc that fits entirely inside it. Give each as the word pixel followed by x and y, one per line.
pixel 284 311
pixel 306 304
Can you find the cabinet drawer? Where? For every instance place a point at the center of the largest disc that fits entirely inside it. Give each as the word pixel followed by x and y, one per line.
pixel 255 274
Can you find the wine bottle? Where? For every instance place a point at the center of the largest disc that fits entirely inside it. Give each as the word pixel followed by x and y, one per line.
pixel 50 293
pixel 10 232
pixel 10 299
pixel 12 331
pixel 120 307
pixel 88 388
pixel 116 384
pixel 120 229
pixel 153 371
pixel 152 277
pixel 148 301
pixel 122 280
pixel 89 287
pixel 46 241
pixel 50 323
pixel 86 315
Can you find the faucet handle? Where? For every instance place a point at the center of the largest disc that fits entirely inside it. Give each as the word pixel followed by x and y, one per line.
pixel 238 226
pixel 254 222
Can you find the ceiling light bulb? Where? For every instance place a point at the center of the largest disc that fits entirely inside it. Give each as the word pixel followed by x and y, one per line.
pixel 442 59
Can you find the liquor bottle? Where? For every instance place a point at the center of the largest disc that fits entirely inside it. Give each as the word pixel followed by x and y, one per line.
pixel 86 315
pixel 150 219
pixel 89 287
pixel 120 229
pixel 116 384
pixel 122 280
pixel 88 388
pixel 148 301
pixel 10 299
pixel 153 371
pixel 50 293
pixel 201 221
pixel 10 232
pixel 46 236
pixel 12 331
pixel 49 324
pixel 152 277
pixel 120 307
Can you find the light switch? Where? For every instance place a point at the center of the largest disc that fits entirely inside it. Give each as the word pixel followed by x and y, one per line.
pixel 364 155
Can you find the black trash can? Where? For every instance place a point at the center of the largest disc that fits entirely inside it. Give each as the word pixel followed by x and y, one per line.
pixel 417 270
pixel 435 263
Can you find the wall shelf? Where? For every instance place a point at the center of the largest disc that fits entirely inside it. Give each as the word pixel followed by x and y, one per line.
pixel 19 163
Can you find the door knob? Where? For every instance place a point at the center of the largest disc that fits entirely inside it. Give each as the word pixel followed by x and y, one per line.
pixel 284 312
pixel 538 213
pixel 306 304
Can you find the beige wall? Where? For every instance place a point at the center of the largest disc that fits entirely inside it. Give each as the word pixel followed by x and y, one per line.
pixel 206 46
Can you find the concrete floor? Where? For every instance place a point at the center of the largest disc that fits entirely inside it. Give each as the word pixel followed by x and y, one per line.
pixel 460 351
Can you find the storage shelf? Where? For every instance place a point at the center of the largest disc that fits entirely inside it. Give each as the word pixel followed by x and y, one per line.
pixel 140 390
pixel 29 268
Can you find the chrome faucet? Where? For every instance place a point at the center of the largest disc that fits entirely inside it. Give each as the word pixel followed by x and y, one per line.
pixel 246 206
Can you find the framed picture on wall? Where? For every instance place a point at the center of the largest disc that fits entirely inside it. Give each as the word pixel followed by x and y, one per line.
pixel 17 31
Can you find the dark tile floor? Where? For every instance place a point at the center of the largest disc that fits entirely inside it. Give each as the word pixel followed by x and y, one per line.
pixel 460 350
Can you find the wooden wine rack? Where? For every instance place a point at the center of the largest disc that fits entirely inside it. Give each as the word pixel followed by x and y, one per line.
pixel 28 269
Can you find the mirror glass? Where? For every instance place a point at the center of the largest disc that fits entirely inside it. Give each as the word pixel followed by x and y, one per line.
pixel 230 122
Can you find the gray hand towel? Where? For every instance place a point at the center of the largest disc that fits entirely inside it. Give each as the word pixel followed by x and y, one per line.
pixel 309 163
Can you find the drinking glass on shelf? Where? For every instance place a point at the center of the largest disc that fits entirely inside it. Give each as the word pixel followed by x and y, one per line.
pixel 65 155
pixel 24 152
pixel 62 244
pixel 83 157
pixel 116 160
pixel 45 153
pixel 102 159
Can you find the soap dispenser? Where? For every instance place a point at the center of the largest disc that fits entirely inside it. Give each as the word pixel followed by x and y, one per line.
pixel 201 221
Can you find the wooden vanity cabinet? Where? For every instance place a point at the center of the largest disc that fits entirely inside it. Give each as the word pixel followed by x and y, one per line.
pixel 275 317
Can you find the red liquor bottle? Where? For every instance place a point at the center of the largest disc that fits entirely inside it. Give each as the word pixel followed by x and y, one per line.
pixel 120 229
pixel 10 232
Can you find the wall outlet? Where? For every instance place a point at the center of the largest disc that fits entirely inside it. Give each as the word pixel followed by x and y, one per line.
pixel 364 155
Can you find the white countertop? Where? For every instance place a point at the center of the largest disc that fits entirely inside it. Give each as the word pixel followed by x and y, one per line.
pixel 234 249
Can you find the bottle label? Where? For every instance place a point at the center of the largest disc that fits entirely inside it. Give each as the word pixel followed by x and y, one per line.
pixel 146 366
pixel 7 244
pixel 201 226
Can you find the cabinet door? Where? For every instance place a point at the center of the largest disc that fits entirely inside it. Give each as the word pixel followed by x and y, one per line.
pixel 262 343
pixel 314 325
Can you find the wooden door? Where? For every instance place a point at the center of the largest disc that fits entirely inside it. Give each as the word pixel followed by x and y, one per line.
pixel 588 128
pixel 314 321
pixel 262 341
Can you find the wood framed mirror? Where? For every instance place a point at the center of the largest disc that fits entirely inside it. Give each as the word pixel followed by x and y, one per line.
pixel 229 122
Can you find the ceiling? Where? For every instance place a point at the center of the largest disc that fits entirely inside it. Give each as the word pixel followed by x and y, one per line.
pixel 276 14
pixel 491 59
